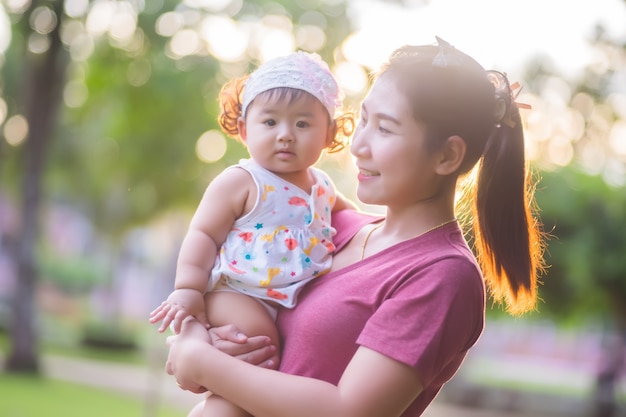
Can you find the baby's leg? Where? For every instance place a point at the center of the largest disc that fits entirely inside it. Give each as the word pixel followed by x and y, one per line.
pixel 253 319
pixel 247 313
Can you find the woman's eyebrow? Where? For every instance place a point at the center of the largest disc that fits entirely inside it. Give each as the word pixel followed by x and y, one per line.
pixel 380 115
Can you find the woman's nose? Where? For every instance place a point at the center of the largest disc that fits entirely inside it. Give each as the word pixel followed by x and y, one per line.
pixel 357 145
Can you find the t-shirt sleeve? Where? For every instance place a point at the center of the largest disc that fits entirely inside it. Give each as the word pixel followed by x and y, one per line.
pixel 429 322
pixel 347 223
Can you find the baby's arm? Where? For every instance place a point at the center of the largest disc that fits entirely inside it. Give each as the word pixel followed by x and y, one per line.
pixel 230 195
pixel 342 203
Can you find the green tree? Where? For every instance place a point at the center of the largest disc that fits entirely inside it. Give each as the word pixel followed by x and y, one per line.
pixel 120 101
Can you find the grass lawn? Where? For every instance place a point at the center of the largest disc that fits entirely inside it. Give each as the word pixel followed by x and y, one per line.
pixel 26 396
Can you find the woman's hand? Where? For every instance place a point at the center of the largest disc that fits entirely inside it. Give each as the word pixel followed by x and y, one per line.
pixel 186 345
pixel 193 341
pixel 257 350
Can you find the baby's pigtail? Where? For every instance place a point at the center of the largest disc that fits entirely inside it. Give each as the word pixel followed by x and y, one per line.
pixel 230 99
pixel 344 128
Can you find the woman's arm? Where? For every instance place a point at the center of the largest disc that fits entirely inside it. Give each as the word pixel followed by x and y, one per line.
pixel 263 392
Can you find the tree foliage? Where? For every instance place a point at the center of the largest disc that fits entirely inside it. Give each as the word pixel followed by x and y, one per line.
pixel 586 217
pixel 115 94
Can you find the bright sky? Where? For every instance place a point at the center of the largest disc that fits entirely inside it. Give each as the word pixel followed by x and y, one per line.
pixel 500 34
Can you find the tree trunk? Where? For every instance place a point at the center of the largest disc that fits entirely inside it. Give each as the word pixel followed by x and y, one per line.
pixel 605 401
pixel 45 75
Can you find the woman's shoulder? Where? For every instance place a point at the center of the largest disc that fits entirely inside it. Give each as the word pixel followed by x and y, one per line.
pixel 347 223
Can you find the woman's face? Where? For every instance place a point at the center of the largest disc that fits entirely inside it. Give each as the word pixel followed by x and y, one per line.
pixel 388 145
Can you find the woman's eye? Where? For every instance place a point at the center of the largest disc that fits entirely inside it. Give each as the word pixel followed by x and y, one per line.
pixel 383 130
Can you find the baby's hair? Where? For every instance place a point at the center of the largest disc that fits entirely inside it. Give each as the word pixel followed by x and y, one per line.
pixel 230 101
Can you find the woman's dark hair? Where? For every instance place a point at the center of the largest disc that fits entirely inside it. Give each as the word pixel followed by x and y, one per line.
pixel 452 95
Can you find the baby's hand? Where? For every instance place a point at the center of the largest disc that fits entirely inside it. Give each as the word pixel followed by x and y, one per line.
pixel 181 304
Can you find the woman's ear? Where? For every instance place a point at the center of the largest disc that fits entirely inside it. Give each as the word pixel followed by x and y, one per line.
pixel 241 127
pixel 452 155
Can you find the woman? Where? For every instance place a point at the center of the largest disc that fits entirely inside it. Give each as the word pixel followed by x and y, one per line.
pixel 391 323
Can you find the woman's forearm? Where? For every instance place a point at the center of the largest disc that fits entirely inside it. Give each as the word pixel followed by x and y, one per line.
pixel 261 392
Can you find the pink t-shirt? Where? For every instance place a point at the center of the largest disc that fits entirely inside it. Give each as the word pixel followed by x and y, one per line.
pixel 421 302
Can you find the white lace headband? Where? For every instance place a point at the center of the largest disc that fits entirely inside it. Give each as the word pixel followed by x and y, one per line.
pixel 300 70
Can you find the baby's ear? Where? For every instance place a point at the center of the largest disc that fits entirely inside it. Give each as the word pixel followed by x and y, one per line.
pixel 241 127
pixel 451 155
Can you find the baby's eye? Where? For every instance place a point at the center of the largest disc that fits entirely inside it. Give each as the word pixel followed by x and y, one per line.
pixel 302 124
pixel 270 122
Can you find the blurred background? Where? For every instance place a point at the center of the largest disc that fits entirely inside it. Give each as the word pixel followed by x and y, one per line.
pixel 108 137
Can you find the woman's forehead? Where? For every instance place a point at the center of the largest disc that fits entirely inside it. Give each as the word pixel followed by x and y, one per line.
pixel 385 96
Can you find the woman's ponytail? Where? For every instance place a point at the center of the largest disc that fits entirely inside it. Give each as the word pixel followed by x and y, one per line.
pixel 508 237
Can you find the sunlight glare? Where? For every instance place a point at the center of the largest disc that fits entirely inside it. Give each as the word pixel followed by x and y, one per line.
pixel 367 49
pixel 351 77
pixel 272 37
pixel 276 42
pixel 225 40
pixel 211 146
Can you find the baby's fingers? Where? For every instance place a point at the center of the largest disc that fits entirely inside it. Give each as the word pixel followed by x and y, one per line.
pixel 159 314
pixel 162 309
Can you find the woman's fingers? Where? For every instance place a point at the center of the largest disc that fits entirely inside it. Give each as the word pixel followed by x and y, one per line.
pixel 256 350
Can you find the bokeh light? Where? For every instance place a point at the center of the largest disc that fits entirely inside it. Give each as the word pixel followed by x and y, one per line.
pixel 225 40
pixel 75 93
pixel 43 20
pixel 211 146
pixel 76 8
pixel 16 130
pixel 3 110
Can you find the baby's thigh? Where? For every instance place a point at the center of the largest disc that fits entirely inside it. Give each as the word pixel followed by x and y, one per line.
pixel 245 312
